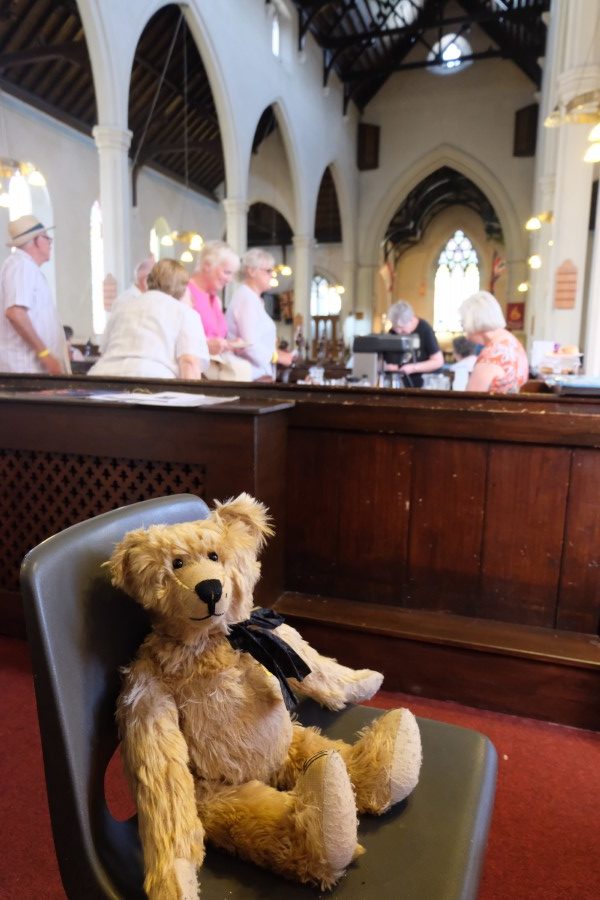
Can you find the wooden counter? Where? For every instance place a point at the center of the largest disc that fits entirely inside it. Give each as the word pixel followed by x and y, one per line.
pixel 64 459
pixel 469 523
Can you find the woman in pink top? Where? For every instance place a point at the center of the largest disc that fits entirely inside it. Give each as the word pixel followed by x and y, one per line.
pixel 216 266
pixel 502 366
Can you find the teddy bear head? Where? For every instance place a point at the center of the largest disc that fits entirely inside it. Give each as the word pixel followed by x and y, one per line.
pixel 195 577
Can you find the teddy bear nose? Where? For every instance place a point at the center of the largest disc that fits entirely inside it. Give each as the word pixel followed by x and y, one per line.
pixel 209 590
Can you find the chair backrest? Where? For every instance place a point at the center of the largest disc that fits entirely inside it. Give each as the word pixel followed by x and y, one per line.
pixel 81 630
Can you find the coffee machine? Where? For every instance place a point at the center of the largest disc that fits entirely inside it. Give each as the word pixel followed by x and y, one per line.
pixel 406 345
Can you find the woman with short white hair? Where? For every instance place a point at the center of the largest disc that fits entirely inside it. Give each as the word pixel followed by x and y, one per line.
pixel 216 265
pixel 501 366
pixel 248 321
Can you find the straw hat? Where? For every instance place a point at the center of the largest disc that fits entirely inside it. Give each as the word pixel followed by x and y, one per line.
pixel 25 229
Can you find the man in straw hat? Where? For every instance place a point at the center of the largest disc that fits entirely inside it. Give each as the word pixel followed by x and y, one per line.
pixel 31 336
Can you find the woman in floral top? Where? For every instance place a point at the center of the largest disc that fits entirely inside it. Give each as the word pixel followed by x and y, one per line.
pixel 502 366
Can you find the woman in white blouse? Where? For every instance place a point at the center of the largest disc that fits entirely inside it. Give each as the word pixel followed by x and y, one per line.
pixel 249 326
pixel 154 335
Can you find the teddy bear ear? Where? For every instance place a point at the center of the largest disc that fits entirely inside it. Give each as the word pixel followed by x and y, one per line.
pixel 122 562
pixel 247 511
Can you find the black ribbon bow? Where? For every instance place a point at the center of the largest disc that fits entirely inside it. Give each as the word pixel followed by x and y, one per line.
pixel 254 636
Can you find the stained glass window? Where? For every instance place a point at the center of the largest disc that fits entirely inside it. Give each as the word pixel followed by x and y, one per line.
pixel 457 277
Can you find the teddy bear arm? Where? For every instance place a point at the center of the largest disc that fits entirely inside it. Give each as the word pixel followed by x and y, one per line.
pixel 329 683
pixel 171 832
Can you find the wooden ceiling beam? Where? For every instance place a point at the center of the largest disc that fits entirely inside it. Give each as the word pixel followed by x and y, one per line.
pixel 337 42
pixel 176 89
pixel 418 64
pixel 501 35
pixel 71 51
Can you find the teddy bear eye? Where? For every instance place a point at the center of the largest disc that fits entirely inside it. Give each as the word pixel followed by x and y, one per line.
pixel 177 563
pixel 214 556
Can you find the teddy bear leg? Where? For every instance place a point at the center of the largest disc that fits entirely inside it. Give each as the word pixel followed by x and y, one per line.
pixel 307 834
pixel 307 741
pixel 385 762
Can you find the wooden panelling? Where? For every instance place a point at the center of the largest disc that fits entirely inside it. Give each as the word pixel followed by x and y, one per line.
pixel 579 605
pixel 348 476
pixel 374 474
pixel 523 534
pixel 312 514
pixel 510 684
pixel 447 511
pixel 63 460
pixel 517 669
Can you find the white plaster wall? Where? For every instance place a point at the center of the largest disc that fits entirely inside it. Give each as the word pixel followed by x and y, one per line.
pixel 68 161
pixel 270 179
pixel 464 120
pixel 184 210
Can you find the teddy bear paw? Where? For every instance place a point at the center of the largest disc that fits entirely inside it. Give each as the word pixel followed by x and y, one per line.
pixel 325 814
pixel 187 882
pixel 385 762
pixel 363 686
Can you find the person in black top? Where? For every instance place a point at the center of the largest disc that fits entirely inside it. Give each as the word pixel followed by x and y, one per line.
pixel 426 353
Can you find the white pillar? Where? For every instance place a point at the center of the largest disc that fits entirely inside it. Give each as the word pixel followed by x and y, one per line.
pixel 349 282
pixel 115 201
pixel 304 250
pixel 539 300
pixel 571 210
pixel 236 215
pixel 563 180
pixel 591 358
pixel 366 302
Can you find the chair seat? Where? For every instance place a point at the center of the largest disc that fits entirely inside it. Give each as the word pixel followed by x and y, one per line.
pixel 431 847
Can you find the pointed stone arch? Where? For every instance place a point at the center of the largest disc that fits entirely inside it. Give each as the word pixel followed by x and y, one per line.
pixel 472 168
pixel 271 178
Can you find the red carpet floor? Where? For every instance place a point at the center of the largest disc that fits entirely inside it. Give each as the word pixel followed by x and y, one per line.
pixel 545 836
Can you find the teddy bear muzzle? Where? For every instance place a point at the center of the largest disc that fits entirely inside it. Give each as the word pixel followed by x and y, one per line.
pixel 209 590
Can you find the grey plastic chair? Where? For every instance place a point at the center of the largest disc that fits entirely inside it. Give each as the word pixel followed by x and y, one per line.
pixel 81 631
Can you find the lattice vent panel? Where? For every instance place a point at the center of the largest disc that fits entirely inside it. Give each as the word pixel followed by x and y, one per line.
pixel 42 493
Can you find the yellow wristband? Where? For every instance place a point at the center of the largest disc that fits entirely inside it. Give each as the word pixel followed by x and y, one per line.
pixel 43 353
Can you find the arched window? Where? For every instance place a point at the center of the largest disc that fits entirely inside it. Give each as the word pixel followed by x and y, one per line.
pixel 19 197
pixel 162 244
pixel 97 261
pixel 154 244
pixel 325 298
pixel 456 278
pixel 275 35
pixel 447 54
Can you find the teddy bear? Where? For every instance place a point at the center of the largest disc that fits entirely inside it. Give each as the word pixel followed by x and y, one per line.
pixel 209 743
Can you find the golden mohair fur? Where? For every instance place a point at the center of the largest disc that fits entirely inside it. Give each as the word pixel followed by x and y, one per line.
pixel 208 743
